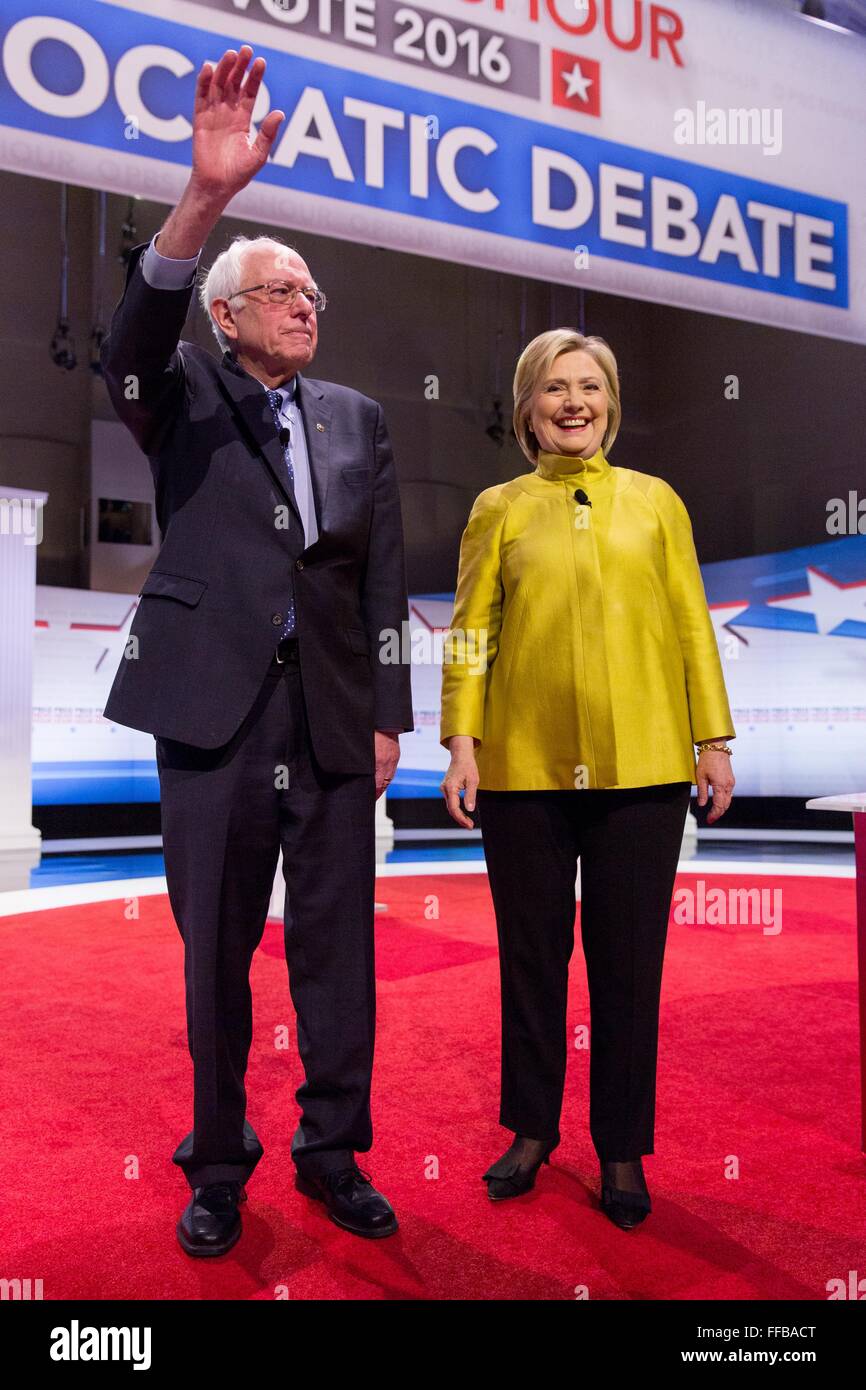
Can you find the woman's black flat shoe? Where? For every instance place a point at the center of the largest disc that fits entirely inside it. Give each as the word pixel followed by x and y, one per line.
pixel 506 1178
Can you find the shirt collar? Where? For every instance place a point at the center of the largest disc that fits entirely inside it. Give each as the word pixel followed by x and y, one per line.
pixel 288 390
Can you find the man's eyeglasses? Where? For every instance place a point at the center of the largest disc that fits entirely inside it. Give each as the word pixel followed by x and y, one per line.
pixel 281 292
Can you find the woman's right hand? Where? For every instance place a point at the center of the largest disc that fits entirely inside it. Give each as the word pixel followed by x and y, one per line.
pixel 462 775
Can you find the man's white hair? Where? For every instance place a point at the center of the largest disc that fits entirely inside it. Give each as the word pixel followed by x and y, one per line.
pixel 225 276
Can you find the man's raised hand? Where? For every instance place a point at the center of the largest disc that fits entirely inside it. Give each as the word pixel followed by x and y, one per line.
pixel 224 158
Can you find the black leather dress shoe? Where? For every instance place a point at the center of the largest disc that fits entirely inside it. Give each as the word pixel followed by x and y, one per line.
pixel 211 1223
pixel 352 1201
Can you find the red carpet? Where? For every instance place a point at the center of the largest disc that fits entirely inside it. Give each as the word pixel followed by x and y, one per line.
pixel 758 1068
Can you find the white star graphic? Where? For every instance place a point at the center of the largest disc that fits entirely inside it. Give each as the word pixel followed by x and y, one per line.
pixel 724 620
pixel 576 83
pixel 830 603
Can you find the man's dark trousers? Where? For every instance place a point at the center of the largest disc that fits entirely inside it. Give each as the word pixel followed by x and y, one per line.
pixel 225 814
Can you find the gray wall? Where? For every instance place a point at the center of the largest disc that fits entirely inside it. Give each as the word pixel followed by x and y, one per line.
pixel 755 473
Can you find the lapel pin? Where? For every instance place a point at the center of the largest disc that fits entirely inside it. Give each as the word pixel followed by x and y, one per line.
pixel 320 426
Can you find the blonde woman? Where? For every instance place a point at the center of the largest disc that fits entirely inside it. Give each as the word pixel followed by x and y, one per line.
pixel 580 669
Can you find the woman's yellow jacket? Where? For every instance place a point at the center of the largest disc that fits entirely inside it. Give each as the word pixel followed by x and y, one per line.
pixel 581 652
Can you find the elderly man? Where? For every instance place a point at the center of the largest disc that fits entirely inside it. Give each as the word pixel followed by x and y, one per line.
pixel 253 658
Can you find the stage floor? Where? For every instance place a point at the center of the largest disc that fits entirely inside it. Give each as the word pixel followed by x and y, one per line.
pixel 757 1177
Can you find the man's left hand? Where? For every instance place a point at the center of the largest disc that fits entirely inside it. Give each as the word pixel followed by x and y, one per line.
pixel 387 758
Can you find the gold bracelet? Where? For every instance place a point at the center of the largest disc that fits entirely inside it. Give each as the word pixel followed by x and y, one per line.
pixel 714 747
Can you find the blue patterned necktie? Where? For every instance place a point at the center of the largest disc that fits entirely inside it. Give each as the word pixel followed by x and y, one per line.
pixel 276 402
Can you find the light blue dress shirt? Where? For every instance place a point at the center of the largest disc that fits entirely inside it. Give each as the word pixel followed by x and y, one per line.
pixel 167 273
pixel 291 416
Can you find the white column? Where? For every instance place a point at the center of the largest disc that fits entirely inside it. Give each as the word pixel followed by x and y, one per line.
pixel 20 533
pixel 384 830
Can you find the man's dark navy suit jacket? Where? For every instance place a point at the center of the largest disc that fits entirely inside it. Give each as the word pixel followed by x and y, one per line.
pixel 233 547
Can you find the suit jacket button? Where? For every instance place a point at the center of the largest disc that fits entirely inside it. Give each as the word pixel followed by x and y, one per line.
pixel 299 564
pixel 277 619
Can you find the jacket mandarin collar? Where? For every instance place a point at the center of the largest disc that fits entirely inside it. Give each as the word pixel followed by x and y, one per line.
pixel 571 468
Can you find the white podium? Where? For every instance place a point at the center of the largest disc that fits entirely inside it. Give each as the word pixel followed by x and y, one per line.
pixel 855 803
pixel 20 842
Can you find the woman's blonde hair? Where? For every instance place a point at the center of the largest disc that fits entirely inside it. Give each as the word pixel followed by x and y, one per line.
pixel 536 361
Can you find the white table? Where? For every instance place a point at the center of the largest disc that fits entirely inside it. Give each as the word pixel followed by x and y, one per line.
pixel 855 803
